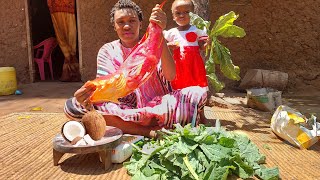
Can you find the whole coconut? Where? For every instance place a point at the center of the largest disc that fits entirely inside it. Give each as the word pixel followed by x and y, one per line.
pixel 94 124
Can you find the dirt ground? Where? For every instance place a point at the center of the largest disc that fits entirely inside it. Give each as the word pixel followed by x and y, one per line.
pixel 51 96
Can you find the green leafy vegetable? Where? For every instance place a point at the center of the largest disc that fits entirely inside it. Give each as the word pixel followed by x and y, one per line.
pixel 217 53
pixel 198 153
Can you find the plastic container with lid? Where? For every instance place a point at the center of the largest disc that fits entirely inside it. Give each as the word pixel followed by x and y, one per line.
pixel 8 80
pixel 124 150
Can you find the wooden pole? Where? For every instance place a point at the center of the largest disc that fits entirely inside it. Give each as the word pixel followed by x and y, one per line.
pixel 29 40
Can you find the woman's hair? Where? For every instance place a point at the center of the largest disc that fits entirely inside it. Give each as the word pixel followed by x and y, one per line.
pixel 122 4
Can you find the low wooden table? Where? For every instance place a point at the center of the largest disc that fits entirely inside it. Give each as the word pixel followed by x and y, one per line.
pixel 103 146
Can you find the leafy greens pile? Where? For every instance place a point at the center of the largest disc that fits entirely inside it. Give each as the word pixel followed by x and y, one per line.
pixel 198 153
pixel 219 54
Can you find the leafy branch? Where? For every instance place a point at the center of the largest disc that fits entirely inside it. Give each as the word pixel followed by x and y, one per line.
pixel 218 53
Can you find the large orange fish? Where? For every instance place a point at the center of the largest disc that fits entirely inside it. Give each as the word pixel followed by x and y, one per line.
pixel 136 69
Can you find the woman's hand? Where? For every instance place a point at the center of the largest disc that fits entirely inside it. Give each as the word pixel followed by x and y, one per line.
pixel 159 17
pixel 83 94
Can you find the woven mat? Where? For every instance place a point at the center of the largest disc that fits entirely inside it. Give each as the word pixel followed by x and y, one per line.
pixel 26 149
pixel 293 162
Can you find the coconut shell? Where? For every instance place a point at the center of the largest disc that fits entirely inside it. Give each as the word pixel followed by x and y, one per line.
pixel 94 124
pixel 75 140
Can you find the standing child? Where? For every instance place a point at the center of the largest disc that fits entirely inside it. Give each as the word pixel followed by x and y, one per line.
pixel 186 41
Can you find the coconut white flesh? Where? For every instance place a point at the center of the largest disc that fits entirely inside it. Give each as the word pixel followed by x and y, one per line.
pixel 81 142
pixel 88 140
pixel 72 129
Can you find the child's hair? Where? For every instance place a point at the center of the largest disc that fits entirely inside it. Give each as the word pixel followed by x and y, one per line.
pixel 122 4
pixel 191 2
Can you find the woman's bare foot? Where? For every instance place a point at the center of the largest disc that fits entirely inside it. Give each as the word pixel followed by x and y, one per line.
pixel 133 128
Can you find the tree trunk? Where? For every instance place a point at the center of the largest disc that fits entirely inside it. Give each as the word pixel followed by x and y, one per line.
pixel 201 7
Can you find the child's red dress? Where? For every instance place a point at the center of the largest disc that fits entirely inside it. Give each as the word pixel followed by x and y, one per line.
pixel 190 68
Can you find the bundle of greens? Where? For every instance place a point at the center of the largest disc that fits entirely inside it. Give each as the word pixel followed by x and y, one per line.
pixel 217 53
pixel 198 153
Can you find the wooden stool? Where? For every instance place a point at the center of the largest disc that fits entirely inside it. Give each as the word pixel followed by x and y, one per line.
pixel 111 139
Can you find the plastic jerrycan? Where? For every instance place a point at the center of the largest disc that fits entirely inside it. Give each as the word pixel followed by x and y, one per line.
pixel 8 80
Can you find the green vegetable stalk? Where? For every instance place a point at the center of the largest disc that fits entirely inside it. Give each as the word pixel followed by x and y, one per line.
pixel 217 53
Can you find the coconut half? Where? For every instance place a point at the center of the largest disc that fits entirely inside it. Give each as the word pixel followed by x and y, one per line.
pixel 73 129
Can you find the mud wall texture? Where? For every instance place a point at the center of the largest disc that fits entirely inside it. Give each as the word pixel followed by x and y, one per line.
pixel 281 35
pixel 13 38
pixel 95 30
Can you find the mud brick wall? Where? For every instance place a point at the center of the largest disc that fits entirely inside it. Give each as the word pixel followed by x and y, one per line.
pixel 281 35
pixel 13 38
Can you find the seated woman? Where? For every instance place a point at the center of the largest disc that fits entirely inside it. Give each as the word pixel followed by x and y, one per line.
pixel 153 105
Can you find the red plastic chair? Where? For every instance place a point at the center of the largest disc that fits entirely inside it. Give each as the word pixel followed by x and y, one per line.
pixel 42 53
